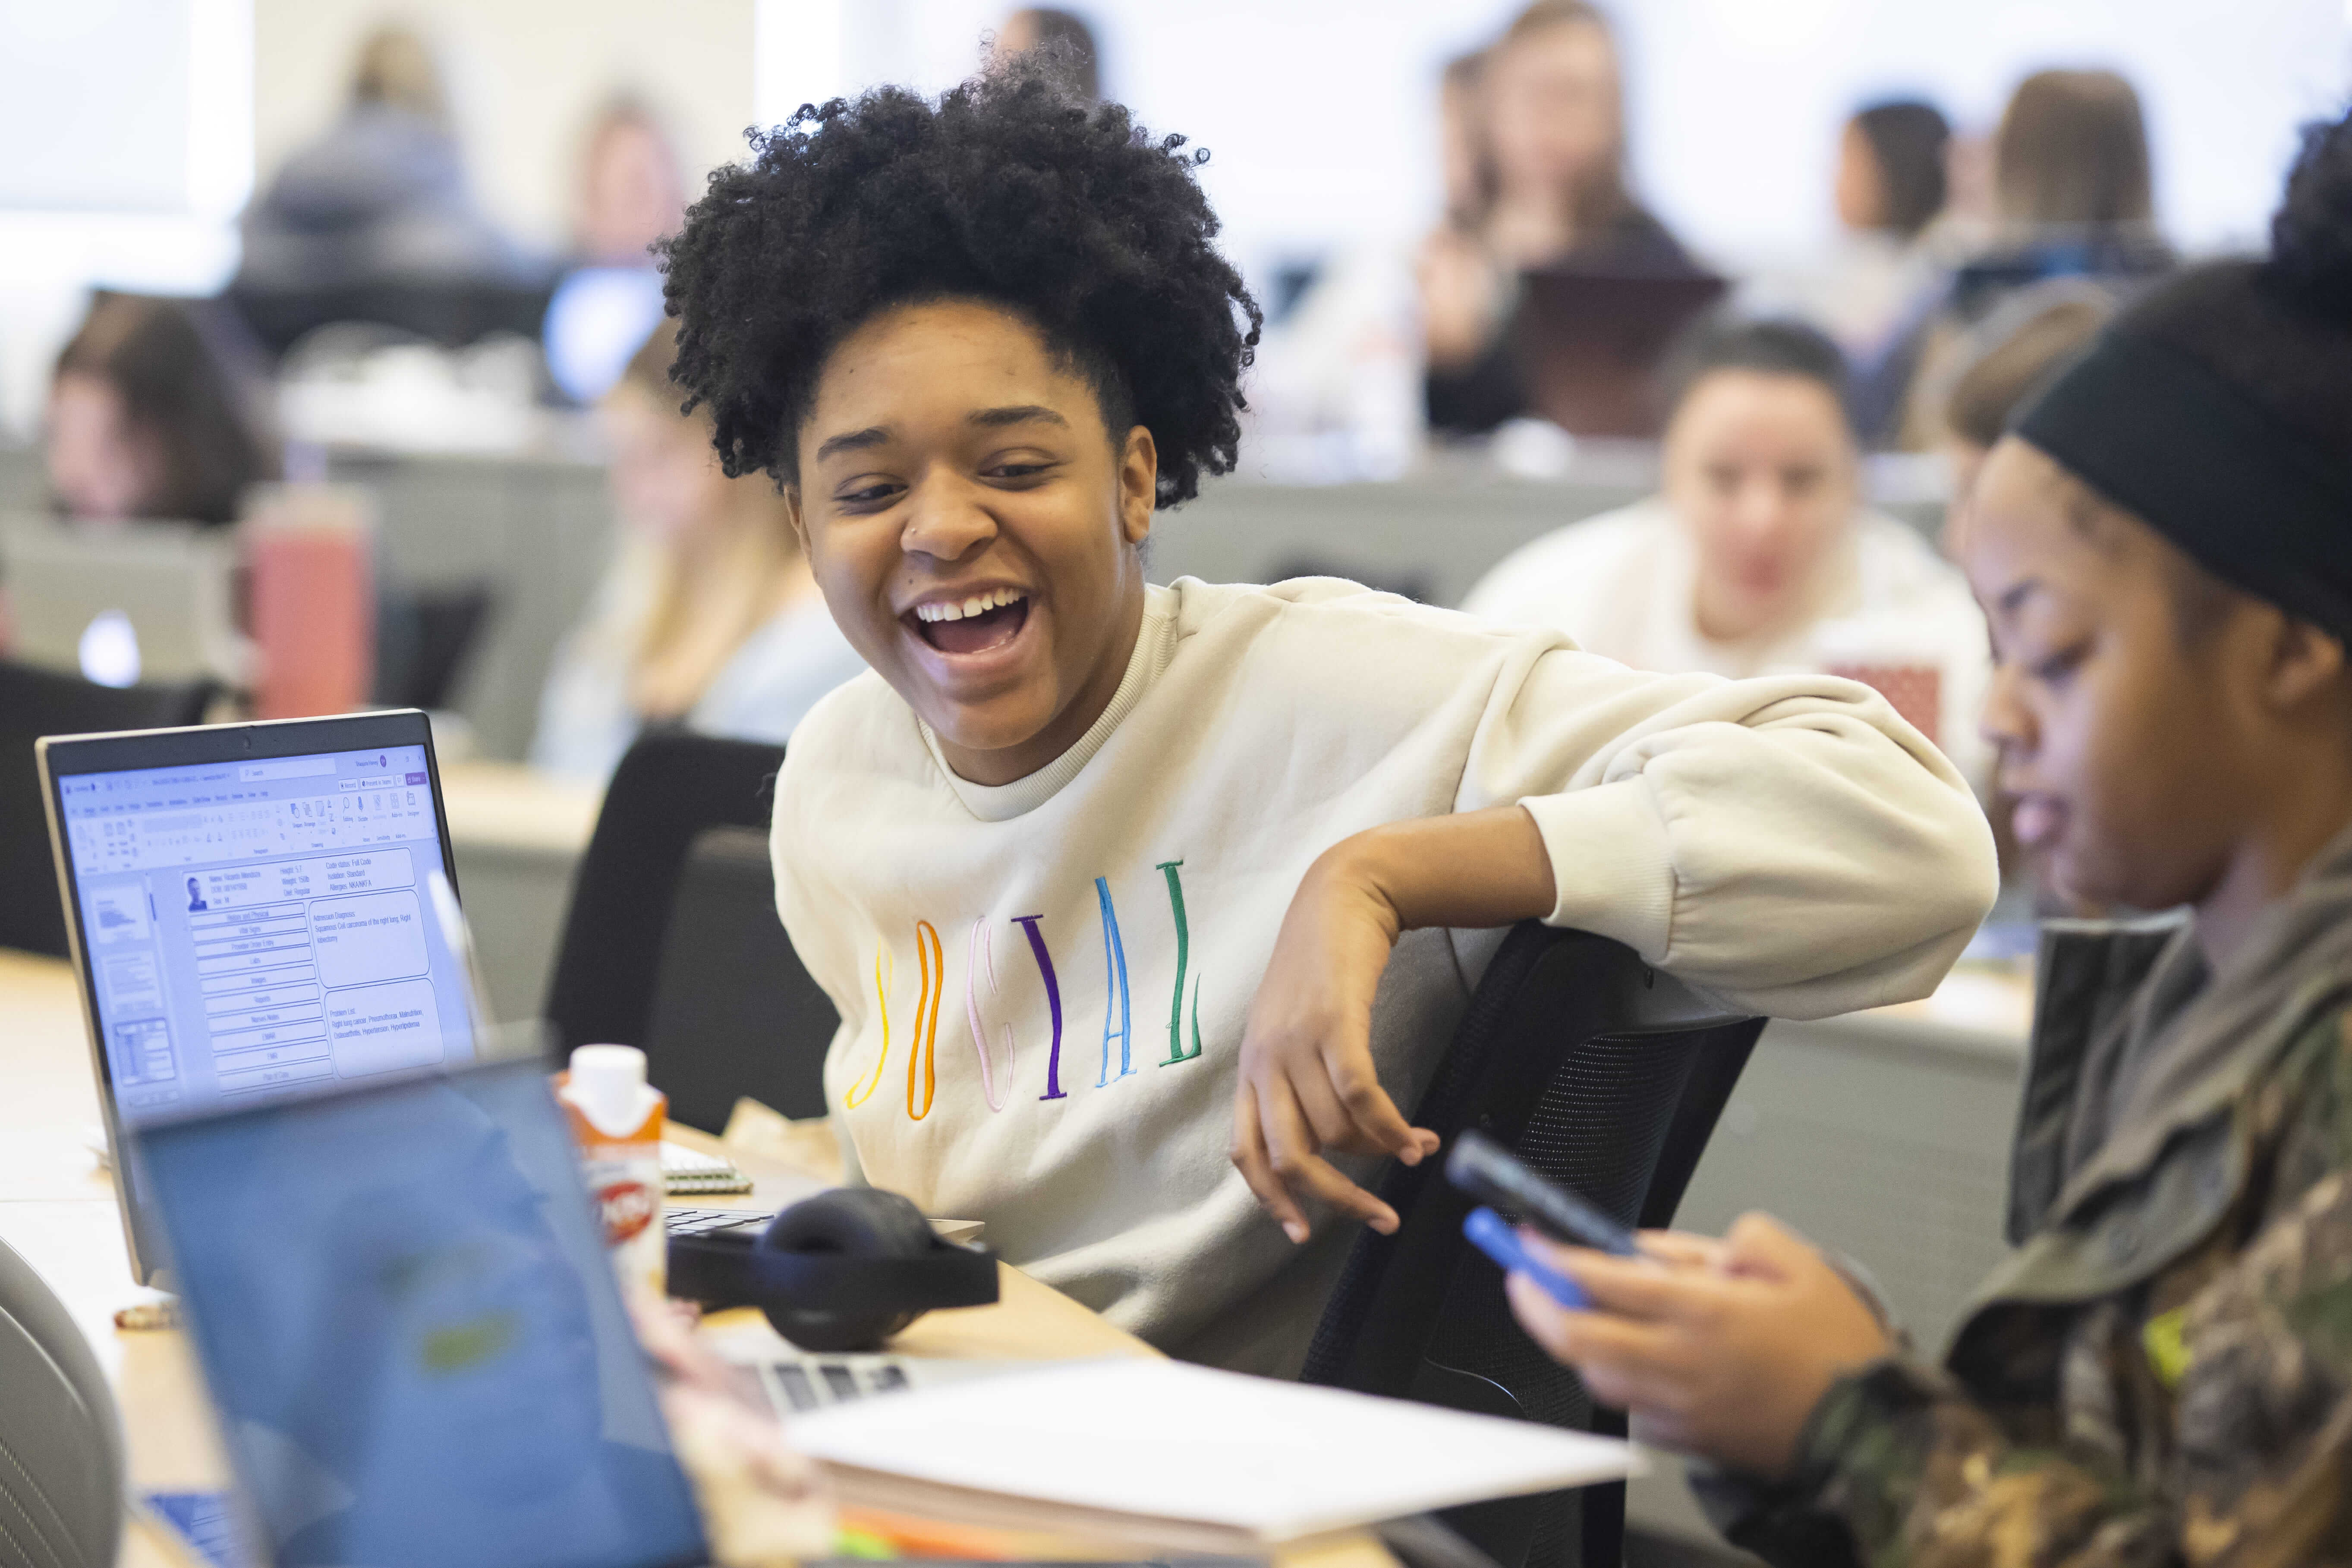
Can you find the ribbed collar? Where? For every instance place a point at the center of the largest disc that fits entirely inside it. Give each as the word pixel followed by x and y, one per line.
pixel 1155 645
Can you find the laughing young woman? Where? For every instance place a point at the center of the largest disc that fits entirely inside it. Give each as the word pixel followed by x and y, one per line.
pixel 980 343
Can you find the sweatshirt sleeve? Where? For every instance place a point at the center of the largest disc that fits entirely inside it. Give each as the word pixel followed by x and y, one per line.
pixel 1788 842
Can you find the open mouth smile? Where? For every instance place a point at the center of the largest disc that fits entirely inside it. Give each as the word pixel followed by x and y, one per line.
pixel 974 625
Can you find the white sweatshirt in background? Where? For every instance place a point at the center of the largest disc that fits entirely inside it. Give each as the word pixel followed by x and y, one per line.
pixel 1043 985
pixel 1625 585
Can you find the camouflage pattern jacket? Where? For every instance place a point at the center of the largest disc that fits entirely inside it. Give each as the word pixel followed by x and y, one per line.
pixel 2161 1372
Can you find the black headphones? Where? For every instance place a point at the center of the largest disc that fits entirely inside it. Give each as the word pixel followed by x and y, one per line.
pixel 841 1271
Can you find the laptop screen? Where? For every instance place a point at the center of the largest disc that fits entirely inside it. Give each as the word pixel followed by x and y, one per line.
pixel 412 1333
pixel 262 926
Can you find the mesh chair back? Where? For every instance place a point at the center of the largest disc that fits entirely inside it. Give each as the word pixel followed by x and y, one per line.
pixel 61 1480
pixel 1602 1074
pixel 733 1011
pixel 672 942
pixel 36 702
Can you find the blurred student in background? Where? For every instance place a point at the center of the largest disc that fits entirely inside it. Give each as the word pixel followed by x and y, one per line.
pixel 380 197
pixel 708 617
pixel 2072 197
pixel 1341 367
pixel 1066 37
pixel 1550 119
pixel 1890 191
pixel 1758 556
pixel 149 418
pixel 2008 358
pixel 632 193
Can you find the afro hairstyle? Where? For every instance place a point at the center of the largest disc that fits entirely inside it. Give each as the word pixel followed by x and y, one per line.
pixel 1005 191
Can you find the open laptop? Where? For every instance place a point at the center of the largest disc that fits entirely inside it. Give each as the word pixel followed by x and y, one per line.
pixel 415 1344
pixel 1591 341
pixel 124 602
pixel 249 910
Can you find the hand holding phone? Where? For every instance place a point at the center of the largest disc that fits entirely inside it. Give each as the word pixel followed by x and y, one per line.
pixel 1492 1235
pixel 1492 1173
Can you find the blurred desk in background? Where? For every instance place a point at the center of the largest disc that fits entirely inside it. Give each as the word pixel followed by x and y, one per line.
pixel 536 529
pixel 518 834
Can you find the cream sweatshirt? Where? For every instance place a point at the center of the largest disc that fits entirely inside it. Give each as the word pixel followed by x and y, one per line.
pixel 1043 985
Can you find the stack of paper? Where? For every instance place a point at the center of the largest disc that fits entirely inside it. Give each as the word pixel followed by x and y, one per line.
pixel 1169 1454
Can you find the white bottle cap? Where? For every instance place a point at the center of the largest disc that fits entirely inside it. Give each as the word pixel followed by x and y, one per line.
pixel 608 1085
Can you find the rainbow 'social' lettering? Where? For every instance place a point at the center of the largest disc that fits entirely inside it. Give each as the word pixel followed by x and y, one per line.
pixel 922 1046
pixel 996 1086
pixel 1116 997
pixel 1053 999
pixel 980 959
pixel 1176 1051
pixel 923 1040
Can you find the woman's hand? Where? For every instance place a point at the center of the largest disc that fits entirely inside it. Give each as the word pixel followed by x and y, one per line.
pixel 763 1504
pixel 1308 1081
pixel 1717 1349
pixel 1460 298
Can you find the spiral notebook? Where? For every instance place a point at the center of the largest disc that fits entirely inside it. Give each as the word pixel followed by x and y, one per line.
pixel 690 1172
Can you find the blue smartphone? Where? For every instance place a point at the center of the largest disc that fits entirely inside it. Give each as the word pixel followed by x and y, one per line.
pixel 1493 1174
pixel 1492 1235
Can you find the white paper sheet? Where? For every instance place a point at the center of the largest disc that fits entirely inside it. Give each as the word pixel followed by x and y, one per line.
pixel 1161 1439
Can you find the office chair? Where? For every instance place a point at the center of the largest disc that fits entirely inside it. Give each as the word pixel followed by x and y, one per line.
pixel 424 638
pixel 61 1466
pixel 733 1011
pixel 36 702
pixel 672 942
pixel 1605 1076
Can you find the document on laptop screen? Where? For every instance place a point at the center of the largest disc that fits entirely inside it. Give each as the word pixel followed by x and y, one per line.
pixel 263 927
pixel 412 1333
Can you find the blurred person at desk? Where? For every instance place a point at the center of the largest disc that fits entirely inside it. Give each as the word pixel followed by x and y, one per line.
pixel 2006 359
pixel 631 190
pixel 2072 197
pixel 632 193
pixel 1551 125
pixel 708 617
pixel 149 417
pixel 1069 44
pixel 379 201
pixel 1891 191
pixel 1758 555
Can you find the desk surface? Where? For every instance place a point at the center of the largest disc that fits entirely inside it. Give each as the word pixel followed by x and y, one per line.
pixel 58 1209
pixel 506 805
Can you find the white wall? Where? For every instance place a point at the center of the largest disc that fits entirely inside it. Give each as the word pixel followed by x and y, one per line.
pixel 527 75
pixel 126 149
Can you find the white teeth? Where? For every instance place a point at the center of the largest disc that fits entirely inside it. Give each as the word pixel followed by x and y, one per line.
pixel 980 604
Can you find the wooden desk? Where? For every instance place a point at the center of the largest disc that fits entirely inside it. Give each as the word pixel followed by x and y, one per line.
pixel 58 1209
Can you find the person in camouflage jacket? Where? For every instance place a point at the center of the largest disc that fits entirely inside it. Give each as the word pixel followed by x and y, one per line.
pixel 2161 1370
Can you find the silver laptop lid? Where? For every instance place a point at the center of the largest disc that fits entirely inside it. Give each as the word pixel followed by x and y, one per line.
pixel 249 909
pixel 124 602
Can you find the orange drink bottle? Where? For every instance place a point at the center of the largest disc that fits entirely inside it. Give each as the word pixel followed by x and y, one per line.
pixel 616 1118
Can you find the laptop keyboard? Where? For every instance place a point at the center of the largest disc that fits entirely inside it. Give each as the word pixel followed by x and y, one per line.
pixel 814 1384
